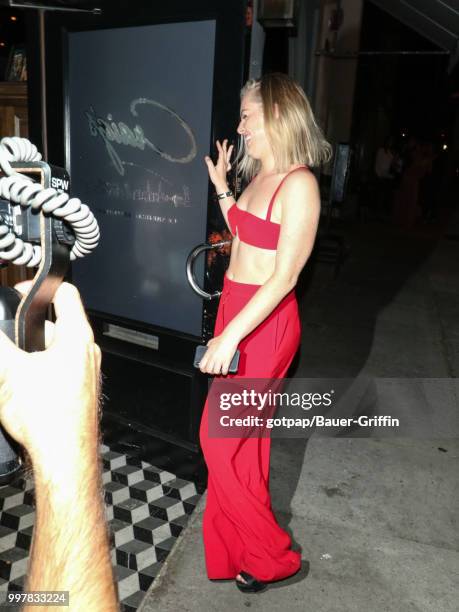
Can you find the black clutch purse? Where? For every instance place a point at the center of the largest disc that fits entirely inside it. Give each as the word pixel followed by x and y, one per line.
pixel 200 350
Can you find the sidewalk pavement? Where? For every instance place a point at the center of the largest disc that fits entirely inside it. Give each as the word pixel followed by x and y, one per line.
pixel 376 518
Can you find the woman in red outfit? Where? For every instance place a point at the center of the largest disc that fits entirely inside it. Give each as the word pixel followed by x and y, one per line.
pixel 274 225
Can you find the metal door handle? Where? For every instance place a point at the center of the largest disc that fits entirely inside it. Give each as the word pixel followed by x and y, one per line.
pixel 190 268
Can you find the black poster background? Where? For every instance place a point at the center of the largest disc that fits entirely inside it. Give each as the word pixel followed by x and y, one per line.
pixel 140 106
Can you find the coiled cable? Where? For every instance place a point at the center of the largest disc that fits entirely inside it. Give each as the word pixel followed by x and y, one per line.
pixel 23 191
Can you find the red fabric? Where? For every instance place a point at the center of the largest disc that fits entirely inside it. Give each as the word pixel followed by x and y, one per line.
pixel 253 230
pixel 240 531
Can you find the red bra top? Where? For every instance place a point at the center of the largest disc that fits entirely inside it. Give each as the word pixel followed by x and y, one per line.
pixel 253 230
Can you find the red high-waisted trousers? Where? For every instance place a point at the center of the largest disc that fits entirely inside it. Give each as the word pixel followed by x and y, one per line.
pixel 240 531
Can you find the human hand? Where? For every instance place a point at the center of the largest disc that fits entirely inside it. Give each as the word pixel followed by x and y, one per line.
pixel 217 358
pixel 49 399
pixel 217 172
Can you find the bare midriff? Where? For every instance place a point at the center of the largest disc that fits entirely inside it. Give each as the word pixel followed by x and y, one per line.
pixel 249 264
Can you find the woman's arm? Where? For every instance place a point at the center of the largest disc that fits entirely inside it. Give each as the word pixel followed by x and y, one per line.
pixel 300 218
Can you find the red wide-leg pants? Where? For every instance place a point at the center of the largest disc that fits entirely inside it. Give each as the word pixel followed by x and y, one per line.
pixel 240 531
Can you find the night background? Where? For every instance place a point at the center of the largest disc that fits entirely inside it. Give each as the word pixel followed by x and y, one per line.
pixel 373 511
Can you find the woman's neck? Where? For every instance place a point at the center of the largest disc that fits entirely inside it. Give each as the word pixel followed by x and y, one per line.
pixel 267 166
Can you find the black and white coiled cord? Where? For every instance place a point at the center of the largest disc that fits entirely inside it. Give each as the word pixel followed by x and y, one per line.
pixel 23 191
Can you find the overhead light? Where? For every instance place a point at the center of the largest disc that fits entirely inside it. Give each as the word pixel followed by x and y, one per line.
pixel 48 7
pixel 278 13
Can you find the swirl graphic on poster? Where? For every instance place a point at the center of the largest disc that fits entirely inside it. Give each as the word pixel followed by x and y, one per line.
pixel 119 133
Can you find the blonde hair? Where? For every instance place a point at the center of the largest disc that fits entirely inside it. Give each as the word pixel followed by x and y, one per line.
pixel 294 135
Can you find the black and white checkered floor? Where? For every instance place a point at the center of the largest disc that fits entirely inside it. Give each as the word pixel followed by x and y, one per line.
pixel 146 508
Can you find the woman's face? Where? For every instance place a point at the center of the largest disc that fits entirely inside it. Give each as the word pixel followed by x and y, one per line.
pixel 251 127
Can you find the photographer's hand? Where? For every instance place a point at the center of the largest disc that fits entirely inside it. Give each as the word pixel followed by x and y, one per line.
pixel 49 403
pixel 48 399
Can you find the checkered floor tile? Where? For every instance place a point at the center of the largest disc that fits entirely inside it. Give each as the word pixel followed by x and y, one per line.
pixel 146 508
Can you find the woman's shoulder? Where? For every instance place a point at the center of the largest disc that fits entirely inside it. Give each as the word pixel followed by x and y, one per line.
pixel 298 188
pixel 299 178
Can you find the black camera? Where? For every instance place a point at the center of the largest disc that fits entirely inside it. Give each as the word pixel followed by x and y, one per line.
pixel 41 227
pixel 28 236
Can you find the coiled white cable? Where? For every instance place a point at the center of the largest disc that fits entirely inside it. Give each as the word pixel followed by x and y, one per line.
pixel 23 191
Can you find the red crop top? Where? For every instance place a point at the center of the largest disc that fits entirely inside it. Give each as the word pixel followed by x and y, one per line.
pixel 253 230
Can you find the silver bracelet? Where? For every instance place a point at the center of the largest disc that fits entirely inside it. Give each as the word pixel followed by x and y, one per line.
pixel 228 194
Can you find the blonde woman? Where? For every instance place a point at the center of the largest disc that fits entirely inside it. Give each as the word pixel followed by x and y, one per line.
pixel 274 224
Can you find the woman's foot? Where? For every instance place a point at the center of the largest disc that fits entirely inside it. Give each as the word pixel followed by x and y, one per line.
pixel 248 584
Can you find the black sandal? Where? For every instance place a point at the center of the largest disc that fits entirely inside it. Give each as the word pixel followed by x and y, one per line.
pixel 253 585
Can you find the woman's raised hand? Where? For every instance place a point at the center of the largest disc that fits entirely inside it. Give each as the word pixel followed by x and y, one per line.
pixel 217 172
